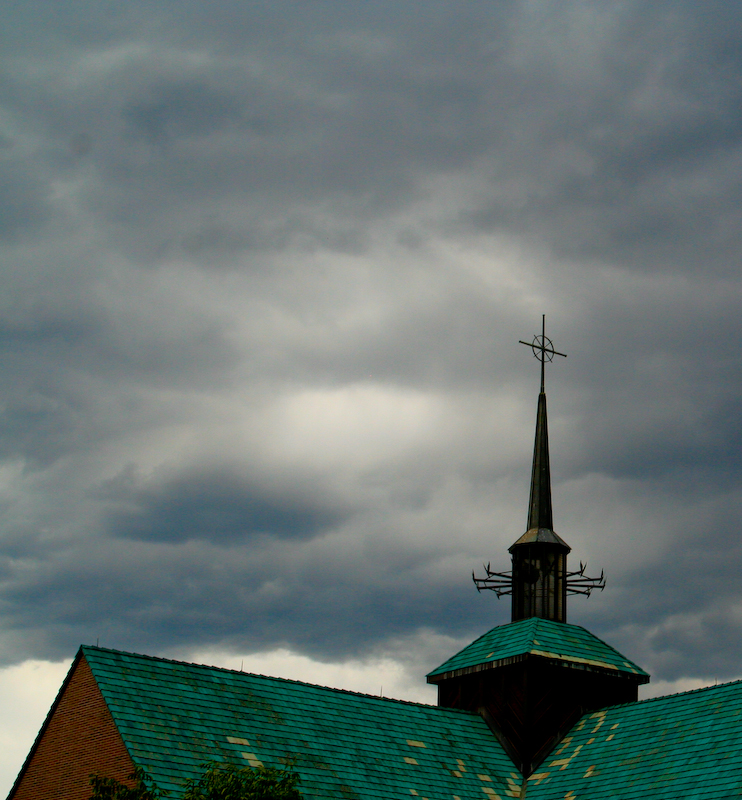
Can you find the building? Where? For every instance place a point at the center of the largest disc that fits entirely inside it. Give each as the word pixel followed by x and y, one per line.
pixel 537 709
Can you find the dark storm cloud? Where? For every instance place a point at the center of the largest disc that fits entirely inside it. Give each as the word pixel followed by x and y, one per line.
pixel 26 208
pixel 631 142
pixel 277 257
pixel 325 597
pixel 294 112
pixel 681 615
pixel 217 507
pixel 66 376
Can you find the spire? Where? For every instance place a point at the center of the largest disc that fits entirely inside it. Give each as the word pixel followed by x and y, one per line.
pixel 539 504
pixel 539 582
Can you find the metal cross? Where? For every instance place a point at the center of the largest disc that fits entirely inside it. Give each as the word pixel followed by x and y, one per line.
pixel 543 348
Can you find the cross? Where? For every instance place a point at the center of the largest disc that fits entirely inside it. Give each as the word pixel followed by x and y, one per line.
pixel 543 348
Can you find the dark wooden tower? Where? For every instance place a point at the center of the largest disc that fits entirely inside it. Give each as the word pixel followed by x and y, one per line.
pixel 532 679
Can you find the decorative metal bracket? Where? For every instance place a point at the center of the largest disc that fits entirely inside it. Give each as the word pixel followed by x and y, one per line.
pixel 501 583
pixel 579 583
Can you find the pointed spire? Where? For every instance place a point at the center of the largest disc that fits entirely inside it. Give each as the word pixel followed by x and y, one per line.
pixel 539 504
pixel 540 527
pixel 539 582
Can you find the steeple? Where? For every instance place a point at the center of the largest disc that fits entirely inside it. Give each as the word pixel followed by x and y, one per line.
pixel 525 678
pixel 539 581
pixel 539 503
pixel 540 556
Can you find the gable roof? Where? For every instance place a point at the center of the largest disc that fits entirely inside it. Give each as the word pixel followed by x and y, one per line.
pixel 558 641
pixel 78 737
pixel 686 745
pixel 173 717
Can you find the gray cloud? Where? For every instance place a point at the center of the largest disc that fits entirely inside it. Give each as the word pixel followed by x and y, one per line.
pixel 213 507
pixel 265 269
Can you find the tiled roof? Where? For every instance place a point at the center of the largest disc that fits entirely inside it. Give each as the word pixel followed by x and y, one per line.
pixel 173 717
pixel 539 637
pixel 685 746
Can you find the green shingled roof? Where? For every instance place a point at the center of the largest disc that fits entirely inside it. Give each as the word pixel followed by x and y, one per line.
pixel 173 717
pixel 538 637
pixel 685 746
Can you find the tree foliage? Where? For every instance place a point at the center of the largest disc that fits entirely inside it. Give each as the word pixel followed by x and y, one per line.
pixel 218 782
pixel 110 789
pixel 227 782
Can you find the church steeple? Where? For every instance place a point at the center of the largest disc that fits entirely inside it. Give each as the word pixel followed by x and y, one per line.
pixel 539 581
pixel 539 503
pixel 526 678
pixel 540 556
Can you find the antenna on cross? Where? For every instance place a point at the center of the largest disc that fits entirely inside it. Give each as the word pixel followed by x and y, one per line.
pixel 543 348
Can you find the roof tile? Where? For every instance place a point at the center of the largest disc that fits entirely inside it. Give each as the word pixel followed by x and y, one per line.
pixel 687 745
pixel 174 717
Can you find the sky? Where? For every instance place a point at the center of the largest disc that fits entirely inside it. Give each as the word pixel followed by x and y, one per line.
pixel 265 268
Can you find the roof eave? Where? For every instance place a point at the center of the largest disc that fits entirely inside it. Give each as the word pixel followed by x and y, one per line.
pixel 602 669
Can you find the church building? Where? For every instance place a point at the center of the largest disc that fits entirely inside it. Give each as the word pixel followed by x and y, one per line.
pixel 538 709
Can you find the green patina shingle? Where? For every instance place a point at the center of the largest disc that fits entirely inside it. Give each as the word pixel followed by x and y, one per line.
pixel 539 637
pixel 685 746
pixel 173 717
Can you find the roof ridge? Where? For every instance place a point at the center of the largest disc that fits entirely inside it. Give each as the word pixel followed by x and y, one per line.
pixel 690 691
pixel 85 647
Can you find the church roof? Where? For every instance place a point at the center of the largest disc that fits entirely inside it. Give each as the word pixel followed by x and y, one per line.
pixel 557 641
pixel 173 717
pixel 686 745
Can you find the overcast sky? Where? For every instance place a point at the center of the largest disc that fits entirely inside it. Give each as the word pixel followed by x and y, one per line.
pixel 265 267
